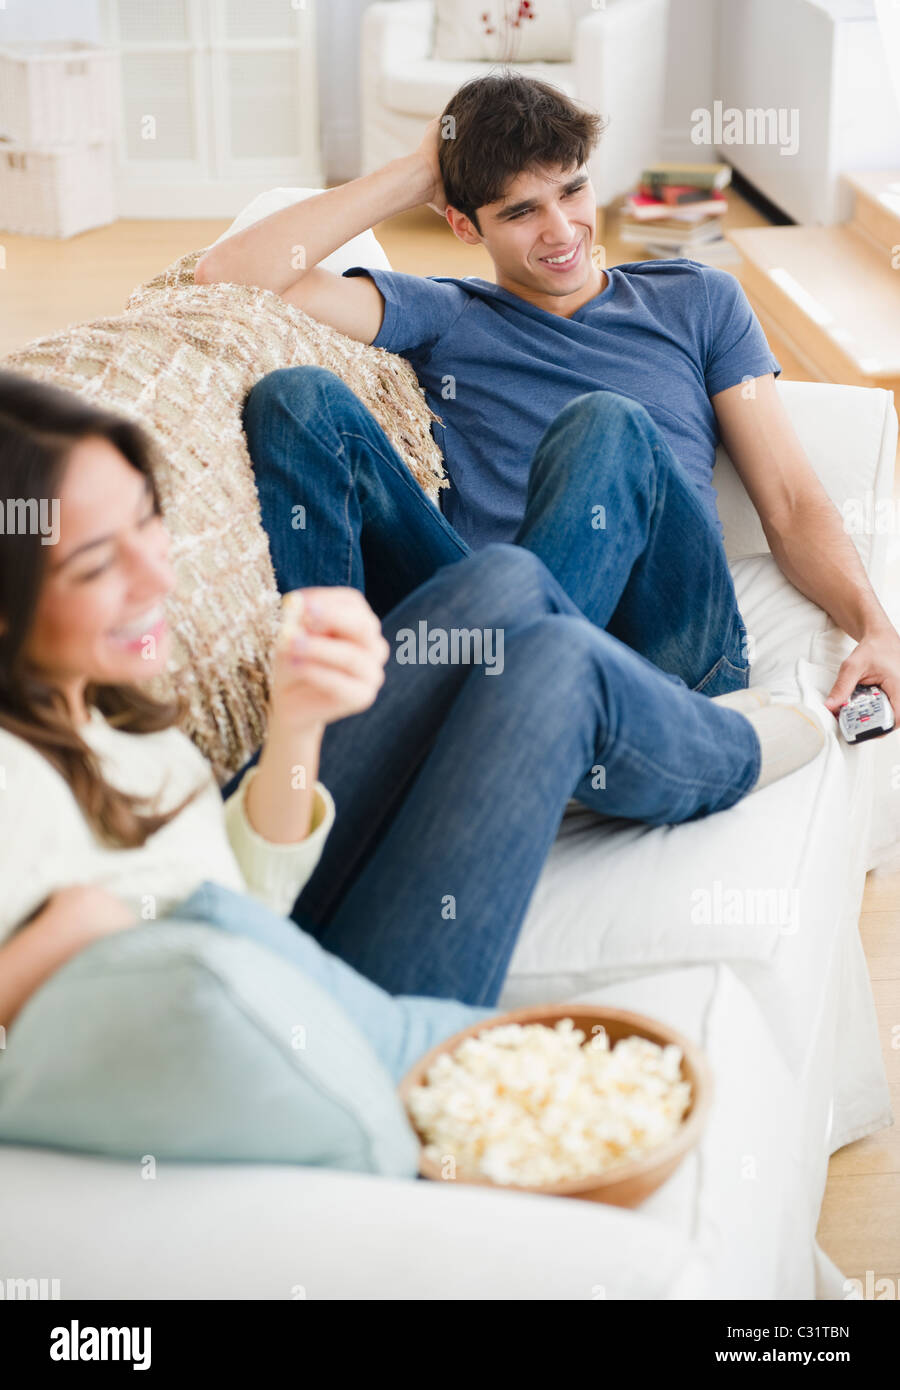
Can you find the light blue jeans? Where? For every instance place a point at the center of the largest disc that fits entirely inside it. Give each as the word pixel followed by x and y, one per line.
pixel 400 1030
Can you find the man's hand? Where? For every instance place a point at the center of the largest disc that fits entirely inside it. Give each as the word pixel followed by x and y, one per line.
pixel 283 252
pixel 874 661
pixel 428 152
pixel 806 534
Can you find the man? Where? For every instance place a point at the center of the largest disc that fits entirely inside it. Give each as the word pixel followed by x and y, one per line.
pixel 580 408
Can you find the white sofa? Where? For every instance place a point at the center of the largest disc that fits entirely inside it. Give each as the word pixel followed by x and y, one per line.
pixel 764 970
pixel 617 67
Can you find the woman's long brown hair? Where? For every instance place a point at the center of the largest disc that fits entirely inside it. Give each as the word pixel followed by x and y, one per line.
pixel 39 426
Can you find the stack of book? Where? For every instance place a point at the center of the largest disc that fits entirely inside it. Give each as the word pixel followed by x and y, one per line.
pixel 677 211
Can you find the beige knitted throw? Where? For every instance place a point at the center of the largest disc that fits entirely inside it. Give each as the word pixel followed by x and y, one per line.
pixel 181 360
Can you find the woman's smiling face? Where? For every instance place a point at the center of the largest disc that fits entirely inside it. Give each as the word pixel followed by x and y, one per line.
pixel 100 613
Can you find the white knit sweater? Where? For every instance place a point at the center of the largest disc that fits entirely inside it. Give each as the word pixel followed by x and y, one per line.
pixel 46 844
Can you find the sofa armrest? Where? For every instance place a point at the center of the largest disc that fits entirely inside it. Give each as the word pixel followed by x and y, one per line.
pixel 850 436
pixel 620 71
pixel 276 1231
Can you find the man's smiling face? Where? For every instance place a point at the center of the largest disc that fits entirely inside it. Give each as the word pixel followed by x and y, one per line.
pixel 540 235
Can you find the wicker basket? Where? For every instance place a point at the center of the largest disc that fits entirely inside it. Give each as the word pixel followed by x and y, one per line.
pixel 56 93
pixel 55 191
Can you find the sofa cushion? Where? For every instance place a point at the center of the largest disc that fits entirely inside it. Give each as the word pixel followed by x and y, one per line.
pixel 364 249
pixel 175 1040
pixel 180 360
pixel 850 433
pixel 241 1231
pixel 747 1196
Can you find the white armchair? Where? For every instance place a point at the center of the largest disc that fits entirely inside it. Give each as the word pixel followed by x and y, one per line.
pixel 617 67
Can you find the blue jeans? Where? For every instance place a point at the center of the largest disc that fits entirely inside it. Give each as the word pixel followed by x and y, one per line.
pixel 609 510
pixel 451 787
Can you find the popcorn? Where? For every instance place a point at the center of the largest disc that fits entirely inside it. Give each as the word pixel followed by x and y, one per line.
pixel 292 610
pixel 529 1105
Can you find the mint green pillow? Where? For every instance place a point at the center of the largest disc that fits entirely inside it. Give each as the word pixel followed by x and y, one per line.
pixel 182 1041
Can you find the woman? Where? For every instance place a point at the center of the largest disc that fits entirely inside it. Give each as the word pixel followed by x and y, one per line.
pixel 450 786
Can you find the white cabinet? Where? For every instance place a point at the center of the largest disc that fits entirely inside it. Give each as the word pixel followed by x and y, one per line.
pixel 218 102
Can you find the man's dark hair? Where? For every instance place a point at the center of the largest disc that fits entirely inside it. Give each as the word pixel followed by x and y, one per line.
pixel 502 125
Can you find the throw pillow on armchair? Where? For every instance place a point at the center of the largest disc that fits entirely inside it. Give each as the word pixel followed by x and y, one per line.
pixel 506 31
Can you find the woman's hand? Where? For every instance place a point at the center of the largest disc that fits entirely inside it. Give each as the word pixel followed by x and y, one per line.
pixel 85 911
pixel 332 667
pixel 69 921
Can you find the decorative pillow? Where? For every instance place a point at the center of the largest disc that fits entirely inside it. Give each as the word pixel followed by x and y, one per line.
pixel 505 31
pixel 180 361
pixel 180 1041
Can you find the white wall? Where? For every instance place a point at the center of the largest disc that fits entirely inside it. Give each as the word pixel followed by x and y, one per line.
pixel 337 42
pixel 690 78
pixel 50 19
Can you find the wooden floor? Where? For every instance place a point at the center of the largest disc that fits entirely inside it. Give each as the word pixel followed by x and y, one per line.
pixel 47 285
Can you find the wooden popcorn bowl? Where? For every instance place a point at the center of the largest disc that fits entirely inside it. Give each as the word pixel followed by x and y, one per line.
pixel 627 1184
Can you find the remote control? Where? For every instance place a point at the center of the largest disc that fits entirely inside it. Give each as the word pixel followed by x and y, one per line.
pixel 867 714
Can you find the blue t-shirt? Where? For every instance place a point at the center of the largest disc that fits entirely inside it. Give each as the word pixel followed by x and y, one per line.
pixel 497 370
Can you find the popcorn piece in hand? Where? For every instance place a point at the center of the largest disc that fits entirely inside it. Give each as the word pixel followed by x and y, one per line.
pixel 292 609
